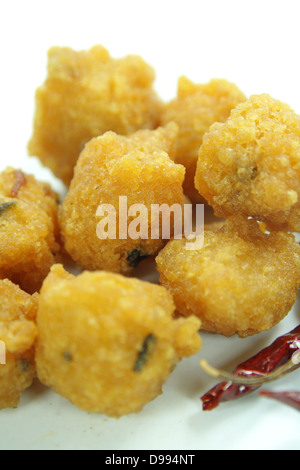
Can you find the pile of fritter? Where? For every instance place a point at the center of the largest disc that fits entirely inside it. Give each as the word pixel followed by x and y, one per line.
pixel 105 339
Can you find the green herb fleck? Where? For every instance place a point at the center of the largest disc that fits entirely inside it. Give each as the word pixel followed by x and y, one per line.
pixel 68 356
pixel 25 364
pixel 6 205
pixel 135 257
pixel 144 353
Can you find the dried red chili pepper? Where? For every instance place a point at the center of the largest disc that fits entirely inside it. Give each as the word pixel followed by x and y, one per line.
pixel 288 398
pixel 260 366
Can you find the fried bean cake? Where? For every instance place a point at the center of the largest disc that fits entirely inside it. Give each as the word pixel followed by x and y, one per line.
pixel 108 343
pixel 195 109
pixel 85 94
pixel 29 235
pixel 250 165
pixel 18 333
pixel 137 168
pixel 243 280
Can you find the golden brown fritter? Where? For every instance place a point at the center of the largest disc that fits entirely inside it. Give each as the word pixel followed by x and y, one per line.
pixel 195 109
pixel 108 343
pixel 17 334
pixel 242 281
pixel 85 94
pixel 113 166
pixel 28 229
pixel 250 165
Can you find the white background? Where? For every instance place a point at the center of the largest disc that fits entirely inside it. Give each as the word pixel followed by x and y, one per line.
pixel 254 44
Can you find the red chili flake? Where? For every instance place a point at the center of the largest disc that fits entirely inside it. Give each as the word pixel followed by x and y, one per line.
pixel 288 398
pixel 260 365
pixel 20 180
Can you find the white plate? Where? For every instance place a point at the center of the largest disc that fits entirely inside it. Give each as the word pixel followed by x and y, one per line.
pixel 174 421
pixel 202 40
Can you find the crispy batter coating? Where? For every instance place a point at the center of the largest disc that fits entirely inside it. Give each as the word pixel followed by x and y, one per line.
pixel 28 229
pixel 113 166
pixel 108 343
pixel 195 109
pixel 85 94
pixel 18 333
pixel 250 165
pixel 243 281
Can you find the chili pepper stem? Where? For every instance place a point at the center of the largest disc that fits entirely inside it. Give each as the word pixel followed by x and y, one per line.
pixel 289 366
